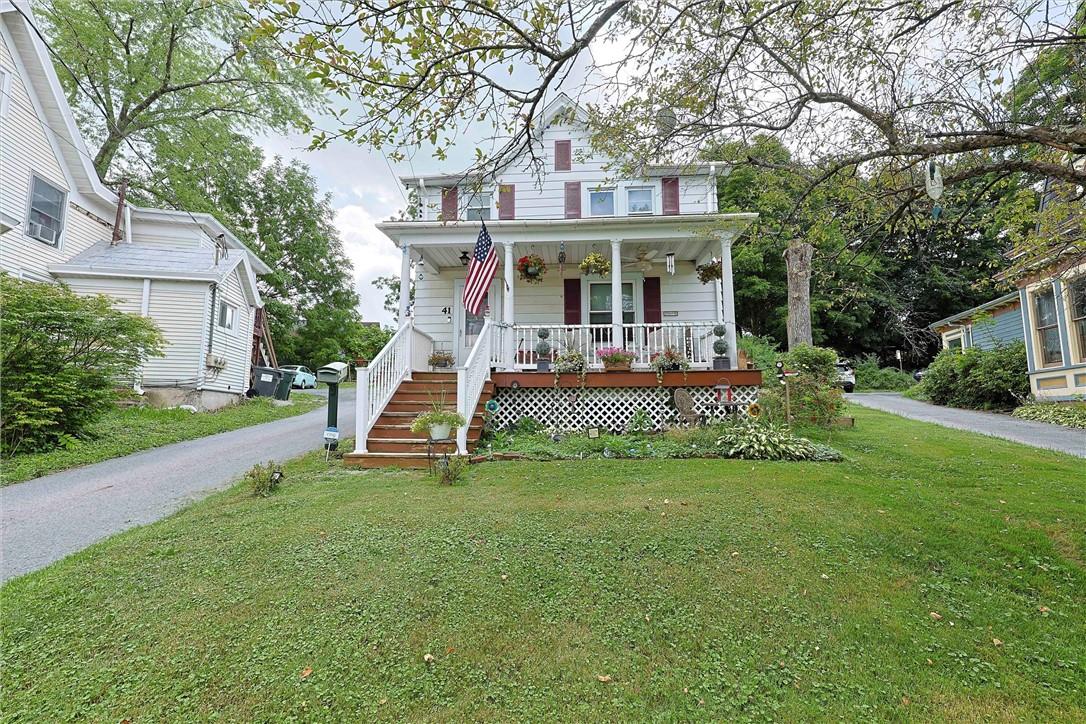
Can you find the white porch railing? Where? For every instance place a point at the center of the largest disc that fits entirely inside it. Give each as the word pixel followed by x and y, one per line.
pixel 408 349
pixel 470 380
pixel 694 340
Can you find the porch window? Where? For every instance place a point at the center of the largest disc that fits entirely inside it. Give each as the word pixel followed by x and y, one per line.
pixel 1047 327
pixel 602 202
pixel 639 201
pixel 478 207
pixel 599 303
pixel 46 218
pixel 1076 289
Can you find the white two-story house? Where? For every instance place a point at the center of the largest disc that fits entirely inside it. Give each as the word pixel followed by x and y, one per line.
pixel 185 271
pixel 653 229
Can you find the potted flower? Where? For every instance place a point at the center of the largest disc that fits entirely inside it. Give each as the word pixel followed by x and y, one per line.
pixel 572 361
pixel 668 360
pixel 615 358
pixel 532 268
pixel 440 358
pixel 708 272
pixel 543 351
pixel 438 423
pixel 595 263
pixel 720 349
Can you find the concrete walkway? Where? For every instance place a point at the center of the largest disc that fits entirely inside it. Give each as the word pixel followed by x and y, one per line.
pixel 1038 434
pixel 48 518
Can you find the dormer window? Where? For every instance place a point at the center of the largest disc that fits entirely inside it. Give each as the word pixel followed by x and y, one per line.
pixel 46 218
pixel 639 201
pixel 478 207
pixel 601 202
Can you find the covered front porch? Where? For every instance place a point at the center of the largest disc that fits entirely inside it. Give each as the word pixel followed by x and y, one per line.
pixel 650 299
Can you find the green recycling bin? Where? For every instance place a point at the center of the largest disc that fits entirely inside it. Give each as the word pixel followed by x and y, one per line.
pixel 282 390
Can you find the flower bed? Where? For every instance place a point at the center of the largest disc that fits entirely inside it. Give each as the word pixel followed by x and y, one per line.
pixel 1069 414
pixel 742 440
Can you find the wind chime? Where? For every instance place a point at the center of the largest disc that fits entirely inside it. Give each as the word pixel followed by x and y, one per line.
pixel 561 257
pixel 669 259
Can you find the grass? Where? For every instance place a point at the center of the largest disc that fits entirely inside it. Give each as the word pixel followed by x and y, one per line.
pixel 934 575
pixel 125 431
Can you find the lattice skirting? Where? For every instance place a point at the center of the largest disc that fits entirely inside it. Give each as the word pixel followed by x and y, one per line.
pixel 569 409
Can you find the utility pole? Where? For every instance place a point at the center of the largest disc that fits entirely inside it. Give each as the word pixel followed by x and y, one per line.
pixel 120 211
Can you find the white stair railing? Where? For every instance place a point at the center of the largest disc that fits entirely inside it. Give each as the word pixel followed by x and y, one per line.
pixel 469 383
pixel 379 382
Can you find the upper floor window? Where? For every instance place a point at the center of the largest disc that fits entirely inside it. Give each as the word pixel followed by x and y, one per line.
pixel 639 201
pixel 45 219
pixel 228 316
pixel 601 202
pixel 1047 326
pixel 478 207
pixel 1076 289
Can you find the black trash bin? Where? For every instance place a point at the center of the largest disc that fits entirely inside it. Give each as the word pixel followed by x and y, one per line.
pixel 282 390
pixel 266 380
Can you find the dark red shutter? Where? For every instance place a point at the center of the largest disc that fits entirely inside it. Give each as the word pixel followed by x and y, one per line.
pixel 572 301
pixel 563 156
pixel 670 189
pixel 651 291
pixel 449 209
pixel 507 205
pixel 573 199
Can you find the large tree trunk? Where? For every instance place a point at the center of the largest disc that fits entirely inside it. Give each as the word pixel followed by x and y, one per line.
pixel 798 261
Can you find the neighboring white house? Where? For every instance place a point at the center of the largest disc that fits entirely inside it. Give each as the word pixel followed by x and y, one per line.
pixel 654 228
pixel 185 271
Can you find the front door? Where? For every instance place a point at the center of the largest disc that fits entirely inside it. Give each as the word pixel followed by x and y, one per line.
pixel 466 326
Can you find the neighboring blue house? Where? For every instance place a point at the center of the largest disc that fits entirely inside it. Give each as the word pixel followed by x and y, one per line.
pixel 985 326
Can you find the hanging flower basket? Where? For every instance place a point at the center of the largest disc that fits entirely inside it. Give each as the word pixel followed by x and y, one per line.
pixel 532 268
pixel 708 272
pixel 595 263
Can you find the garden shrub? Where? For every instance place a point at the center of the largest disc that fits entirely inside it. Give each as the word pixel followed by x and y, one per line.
pixel 61 356
pixel 977 378
pixel 1070 414
pixel 815 395
pixel 870 375
pixel 264 479
pixel 761 350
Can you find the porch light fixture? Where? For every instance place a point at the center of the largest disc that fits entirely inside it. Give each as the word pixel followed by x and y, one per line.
pixel 670 259
pixel 464 258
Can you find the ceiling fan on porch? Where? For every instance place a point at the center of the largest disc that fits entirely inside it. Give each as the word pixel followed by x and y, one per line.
pixel 643 260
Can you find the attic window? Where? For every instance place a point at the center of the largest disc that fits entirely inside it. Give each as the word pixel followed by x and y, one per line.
pixel 478 207
pixel 45 220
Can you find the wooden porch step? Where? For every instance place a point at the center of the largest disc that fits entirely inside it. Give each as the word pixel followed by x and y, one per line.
pixel 435 376
pixel 399 415
pixel 403 432
pixel 396 445
pixel 386 460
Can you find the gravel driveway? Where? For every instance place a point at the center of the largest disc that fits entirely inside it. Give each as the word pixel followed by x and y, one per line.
pixel 1027 432
pixel 48 518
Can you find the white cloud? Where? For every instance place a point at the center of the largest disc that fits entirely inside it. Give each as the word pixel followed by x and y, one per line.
pixel 371 253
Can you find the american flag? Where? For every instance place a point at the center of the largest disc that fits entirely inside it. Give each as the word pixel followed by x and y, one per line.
pixel 480 272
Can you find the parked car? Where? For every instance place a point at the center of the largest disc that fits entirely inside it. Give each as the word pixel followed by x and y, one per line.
pixel 919 374
pixel 304 379
pixel 846 376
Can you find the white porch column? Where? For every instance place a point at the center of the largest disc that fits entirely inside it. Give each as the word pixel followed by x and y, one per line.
pixel 405 283
pixel 507 336
pixel 728 295
pixel 616 294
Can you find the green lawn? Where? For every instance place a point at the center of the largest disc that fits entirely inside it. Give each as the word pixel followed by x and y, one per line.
pixel 125 431
pixel 934 575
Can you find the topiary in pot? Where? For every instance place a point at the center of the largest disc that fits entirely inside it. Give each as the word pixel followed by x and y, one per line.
pixel 720 349
pixel 543 351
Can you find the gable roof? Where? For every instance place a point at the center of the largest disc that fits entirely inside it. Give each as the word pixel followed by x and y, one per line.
pixel 155 262
pixel 954 318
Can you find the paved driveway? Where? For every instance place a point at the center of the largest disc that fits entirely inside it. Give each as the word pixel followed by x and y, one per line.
pixel 1037 434
pixel 45 519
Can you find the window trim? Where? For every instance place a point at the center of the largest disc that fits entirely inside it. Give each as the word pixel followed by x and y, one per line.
pixel 5 92
pixel 233 328
pixel 638 281
pixel 488 207
pixel 652 200
pixel 1077 342
pixel 62 221
pixel 1037 329
pixel 957 335
pixel 602 190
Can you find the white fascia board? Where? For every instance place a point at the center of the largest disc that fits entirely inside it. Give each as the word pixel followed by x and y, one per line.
pixel 642 228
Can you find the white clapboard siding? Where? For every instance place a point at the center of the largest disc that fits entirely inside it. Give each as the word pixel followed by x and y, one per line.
pixel 542 195
pixel 432 294
pixel 178 310
pixel 171 235
pixel 235 345
pixel 684 294
pixel 28 147
pixel 127 294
